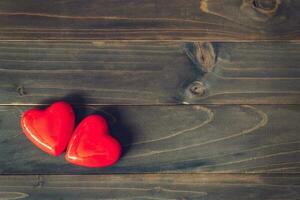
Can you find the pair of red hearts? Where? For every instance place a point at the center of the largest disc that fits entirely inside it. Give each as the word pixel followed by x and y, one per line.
pixel 90 144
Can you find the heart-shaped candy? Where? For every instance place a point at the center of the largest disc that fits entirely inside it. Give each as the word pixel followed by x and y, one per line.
pixel 91 145
pixel 49 129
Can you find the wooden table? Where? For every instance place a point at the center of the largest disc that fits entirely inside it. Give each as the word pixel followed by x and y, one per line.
pixel 203 95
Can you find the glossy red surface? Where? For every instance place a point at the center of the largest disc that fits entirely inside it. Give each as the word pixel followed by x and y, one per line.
pixel 91 145
pixel 49 129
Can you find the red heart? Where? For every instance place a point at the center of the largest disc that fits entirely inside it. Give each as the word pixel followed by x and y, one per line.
pixel 91 145
pixel 49 129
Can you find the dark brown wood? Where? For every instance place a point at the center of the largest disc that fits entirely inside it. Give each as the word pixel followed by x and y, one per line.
pixel 99 72
pixel 152 186
pixel 149 73
pixel 214 20
pixel 252 73
pixel 135 62
pixel 181 139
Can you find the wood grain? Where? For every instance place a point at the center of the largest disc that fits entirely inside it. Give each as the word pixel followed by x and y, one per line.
pixel 181 139
pixel 152 186
pixel 149 73
pixel 135 62
pixel 100 72
pixel 252 73
pixel 213 20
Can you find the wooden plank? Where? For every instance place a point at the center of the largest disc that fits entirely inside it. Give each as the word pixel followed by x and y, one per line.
pixel 149 73
pixel 251 73
pixel 152 186
pixel 214 20
pixel 183 139
pixel 99 72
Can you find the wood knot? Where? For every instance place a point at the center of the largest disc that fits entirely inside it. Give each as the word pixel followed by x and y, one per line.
pixel 21 90
pixel 197 88
pixel 202 54
pixel 265 4
pixel 268 7
pixel 261 10
pixel 40 181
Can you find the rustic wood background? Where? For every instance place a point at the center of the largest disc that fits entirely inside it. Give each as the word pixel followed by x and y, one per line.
pixel 150 73
pixel 218 20
pixel 202 94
